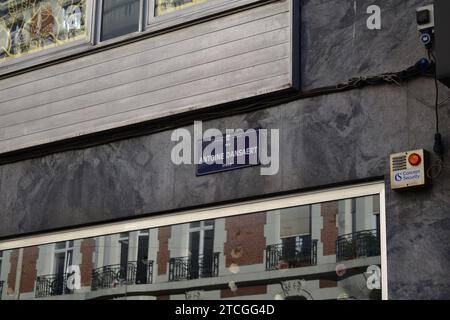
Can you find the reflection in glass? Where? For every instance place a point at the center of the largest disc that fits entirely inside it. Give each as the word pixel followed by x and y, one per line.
pixel 119 17
pixel 167 6
pixel 320 251
pixel 33 25
pixel 142 257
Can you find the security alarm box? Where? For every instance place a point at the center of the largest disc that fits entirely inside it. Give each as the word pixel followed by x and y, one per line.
pixel 442 35
pixel 408 169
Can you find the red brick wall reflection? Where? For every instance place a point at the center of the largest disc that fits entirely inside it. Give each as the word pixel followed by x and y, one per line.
pixel 329 233
pixel 245 239
pixel 87 249
pixel 164 234
pixel 29 271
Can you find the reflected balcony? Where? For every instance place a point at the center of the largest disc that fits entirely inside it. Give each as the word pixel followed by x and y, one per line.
pixel 188 268
pixel 52 285
pixel 358 245
pixel 294 252
pixel 112 276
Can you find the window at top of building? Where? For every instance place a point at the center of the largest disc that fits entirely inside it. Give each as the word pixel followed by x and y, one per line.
pixel 34 25
pixel 167 6
pixel 120 17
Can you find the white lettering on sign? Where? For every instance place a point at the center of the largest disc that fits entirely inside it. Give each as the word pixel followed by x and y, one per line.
pixel 408 175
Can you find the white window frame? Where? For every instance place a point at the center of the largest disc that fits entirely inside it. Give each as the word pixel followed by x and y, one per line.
pixel 237 209
pixel 202 228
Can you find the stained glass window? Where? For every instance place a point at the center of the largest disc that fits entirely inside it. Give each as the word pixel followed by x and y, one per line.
pixel 27 26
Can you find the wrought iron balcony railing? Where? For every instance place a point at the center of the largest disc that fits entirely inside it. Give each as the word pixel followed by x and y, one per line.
pixel 52 285
pixel 294 252
pixel 1 289
pixel 188 268
pixel 115 275
pixel 358 245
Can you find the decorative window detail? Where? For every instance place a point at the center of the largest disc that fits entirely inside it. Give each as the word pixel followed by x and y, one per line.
pixel 167 6
pixel 27 26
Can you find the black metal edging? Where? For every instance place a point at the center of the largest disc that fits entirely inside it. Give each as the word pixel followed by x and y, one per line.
pixel 296 44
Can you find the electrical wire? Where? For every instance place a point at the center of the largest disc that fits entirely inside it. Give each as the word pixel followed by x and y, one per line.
pixel 433 59
pixel 435 170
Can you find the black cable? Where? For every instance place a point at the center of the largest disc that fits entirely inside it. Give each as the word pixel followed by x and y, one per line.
pixel 433 59
pixel 435 170
pixel 438 145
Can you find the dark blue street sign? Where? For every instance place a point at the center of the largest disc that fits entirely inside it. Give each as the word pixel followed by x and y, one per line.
pixel 230 152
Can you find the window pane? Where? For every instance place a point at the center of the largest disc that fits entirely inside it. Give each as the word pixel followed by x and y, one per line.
pixel 60 245
pixel 194 243
pixel 167 6
pixel 124 235
pixel 209 223
pixel 119 17
pixel 376 204
pixel 195 224
pixel 60 259
pixel 295 221
pixel 31 26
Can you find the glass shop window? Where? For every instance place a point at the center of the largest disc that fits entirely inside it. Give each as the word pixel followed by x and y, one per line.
pixel 320 251
pixel 120 17
pixel 167 6
pixel 34 25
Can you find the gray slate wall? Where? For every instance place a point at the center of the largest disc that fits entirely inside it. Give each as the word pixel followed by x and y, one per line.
pixel 330 139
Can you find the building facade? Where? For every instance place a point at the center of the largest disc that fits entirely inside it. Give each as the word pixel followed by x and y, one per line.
pixel 95 94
